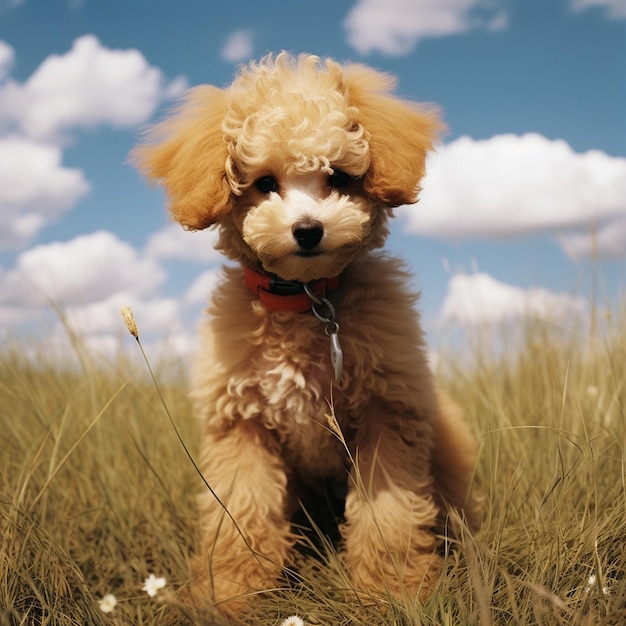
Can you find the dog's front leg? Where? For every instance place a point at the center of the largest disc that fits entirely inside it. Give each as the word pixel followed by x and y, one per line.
pixel 244 549
pixel 389 539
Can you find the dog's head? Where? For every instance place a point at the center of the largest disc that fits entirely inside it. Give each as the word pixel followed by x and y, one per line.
pixel 299 162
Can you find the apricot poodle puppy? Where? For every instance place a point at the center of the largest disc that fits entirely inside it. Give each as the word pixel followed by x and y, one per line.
pixel 299 164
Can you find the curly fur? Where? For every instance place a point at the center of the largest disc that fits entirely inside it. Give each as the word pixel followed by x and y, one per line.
pixel 262 378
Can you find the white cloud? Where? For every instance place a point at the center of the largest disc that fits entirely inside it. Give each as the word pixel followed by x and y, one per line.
pixel 15 316
pixel 607 240
pixel 480 298
pixel 395 27
pixel 615 9
pixel 175 88
pixel 160 316
pixel 101 330
pixel 173 242
pixel 35 189
pixel 7 56
pixel 238 47
pixel 90 278
pixel 202 287
pixel 88 86
pixel 84 270
pixel 512 185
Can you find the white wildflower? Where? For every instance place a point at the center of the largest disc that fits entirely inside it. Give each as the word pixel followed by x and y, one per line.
pixel 153 584
pixel 591 584
pixel 293 620
pixel 107 603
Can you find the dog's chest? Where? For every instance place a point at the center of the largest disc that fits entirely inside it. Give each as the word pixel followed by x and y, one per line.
pixel 294 377
pixel 295 373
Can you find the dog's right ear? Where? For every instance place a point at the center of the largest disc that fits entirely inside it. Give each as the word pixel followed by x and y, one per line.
pixel 186 154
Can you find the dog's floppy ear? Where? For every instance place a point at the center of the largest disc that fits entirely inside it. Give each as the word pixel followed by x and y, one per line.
pixel 186 154
pixel 401 133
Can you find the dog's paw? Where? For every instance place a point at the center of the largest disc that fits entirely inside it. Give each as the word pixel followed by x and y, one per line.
pixel 415 577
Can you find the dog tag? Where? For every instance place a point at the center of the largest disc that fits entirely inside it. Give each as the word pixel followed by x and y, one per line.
pixel 336 353
pixel 327 315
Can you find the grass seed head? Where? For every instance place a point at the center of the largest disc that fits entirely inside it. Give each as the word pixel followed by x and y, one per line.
pixel 129 320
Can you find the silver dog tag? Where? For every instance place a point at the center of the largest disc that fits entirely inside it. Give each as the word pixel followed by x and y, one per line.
pixel 336 353
pixel 327 315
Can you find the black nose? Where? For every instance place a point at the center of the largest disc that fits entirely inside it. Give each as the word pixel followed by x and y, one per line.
pixel 308 233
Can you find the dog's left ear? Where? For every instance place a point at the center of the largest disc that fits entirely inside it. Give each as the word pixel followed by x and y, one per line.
pixel 187 154
pixel 401 134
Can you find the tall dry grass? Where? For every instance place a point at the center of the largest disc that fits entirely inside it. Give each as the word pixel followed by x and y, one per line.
pixel 97 493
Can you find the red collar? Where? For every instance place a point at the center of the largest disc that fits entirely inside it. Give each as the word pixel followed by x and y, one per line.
pixel 276 294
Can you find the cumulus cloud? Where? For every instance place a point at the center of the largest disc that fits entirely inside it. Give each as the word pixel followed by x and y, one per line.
pixel 89 268
pixel 480 298
pixel 238 47
pixel 513 185
pixel 394 27
pixel 154 315
pixel 90 278
pixel 202 287
pixel 35 189
pixel 86 87
pixel 615 9
pixel 173 242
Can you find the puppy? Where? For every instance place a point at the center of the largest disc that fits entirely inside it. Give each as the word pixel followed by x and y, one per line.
pixel 312 364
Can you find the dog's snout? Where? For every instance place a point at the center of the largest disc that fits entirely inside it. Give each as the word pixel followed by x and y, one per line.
pixel 308 233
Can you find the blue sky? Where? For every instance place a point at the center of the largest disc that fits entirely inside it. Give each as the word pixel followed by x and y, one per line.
pixel 524 203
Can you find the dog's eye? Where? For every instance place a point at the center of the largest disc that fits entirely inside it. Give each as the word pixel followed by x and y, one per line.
pixel 266 184
pixel 338 179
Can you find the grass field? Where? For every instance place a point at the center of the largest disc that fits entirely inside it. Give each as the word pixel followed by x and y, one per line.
pixel 97 492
